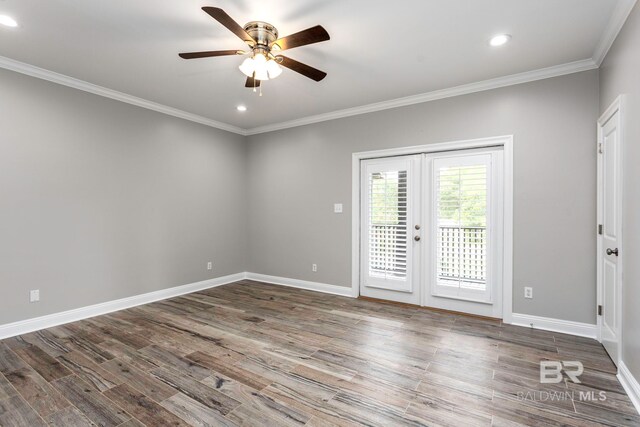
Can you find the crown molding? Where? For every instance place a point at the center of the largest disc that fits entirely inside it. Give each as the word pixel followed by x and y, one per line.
pixel 513 79
pixel 41 73
pixel 616 22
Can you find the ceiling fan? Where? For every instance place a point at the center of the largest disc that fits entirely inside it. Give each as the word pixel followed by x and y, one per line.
pixel 264 62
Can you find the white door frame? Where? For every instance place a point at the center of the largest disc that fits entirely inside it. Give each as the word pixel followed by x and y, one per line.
pixel 616 107
pixel 507 266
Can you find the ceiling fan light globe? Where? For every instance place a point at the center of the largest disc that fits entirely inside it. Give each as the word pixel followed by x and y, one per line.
pixel 248 67
pixel 261 73
pixel 273 69
pixel 260 67
pixel 259 59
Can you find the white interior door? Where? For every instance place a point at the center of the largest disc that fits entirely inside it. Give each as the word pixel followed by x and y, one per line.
pixel 390 243
pixel 464 215
pixel 609 230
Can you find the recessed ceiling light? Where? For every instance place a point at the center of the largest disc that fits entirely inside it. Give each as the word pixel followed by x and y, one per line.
pixel 499 39
pixel 241 108
pixel 8 21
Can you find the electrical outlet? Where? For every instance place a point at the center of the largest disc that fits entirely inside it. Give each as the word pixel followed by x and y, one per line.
pixel 34 295
pixel 337 208
pixel 209 265
pixel 314 267
pixel 528 293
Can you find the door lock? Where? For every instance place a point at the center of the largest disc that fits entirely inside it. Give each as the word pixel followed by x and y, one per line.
pixel 417 238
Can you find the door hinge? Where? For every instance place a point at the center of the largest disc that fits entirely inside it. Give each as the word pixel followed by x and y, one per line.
pixel 600 228
pixel 600 150
pixel 599 310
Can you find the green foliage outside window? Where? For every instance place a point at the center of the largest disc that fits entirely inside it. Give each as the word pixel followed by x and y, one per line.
pixel 462 196
pixel 388 198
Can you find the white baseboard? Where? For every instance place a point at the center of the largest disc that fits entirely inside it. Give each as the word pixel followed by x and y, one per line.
pixel 48 321
pixel 35 324
pixel 556 325
pixel 302 284
pixel 630 384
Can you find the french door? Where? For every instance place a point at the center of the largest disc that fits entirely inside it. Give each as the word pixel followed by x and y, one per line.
pixel 390 216
pixel 431 227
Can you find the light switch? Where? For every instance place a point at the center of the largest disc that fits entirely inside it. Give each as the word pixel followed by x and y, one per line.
pixel 337 208
pixel 34 295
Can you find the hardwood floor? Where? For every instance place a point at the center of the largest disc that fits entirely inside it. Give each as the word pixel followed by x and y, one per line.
pixel 256 354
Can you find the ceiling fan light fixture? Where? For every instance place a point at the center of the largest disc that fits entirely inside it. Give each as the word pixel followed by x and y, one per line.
pixel 260 62
pixel 273 69
pixel 260 59
pixel 262 74
pixel 248 67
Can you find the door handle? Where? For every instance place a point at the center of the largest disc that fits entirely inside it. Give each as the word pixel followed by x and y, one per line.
pixel 612 251
pixel 417 238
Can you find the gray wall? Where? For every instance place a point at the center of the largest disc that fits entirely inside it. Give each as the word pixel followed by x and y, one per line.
pixel 297 174
pixel 102 200
pixel 619 75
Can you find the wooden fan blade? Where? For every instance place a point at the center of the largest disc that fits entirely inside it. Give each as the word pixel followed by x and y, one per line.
pixel 251 83
pixel 222 17
pixel 299 67
pixel 194 55
pixel 311 35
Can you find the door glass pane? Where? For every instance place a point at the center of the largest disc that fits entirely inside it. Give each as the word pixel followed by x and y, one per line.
pixel 461 231
pixel 387 225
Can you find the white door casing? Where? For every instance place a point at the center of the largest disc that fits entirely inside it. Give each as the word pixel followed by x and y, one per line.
pixel 609 242
pixel 506 240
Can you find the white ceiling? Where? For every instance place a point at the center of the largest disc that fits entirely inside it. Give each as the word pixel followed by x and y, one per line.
pixel 379 50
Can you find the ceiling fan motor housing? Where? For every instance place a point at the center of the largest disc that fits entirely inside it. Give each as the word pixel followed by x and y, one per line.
pixel 263 33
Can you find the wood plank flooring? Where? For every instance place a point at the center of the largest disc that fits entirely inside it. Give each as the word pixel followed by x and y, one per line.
pixel 251 353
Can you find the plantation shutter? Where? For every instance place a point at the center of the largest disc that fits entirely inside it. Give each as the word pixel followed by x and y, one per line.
pixel 388 224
